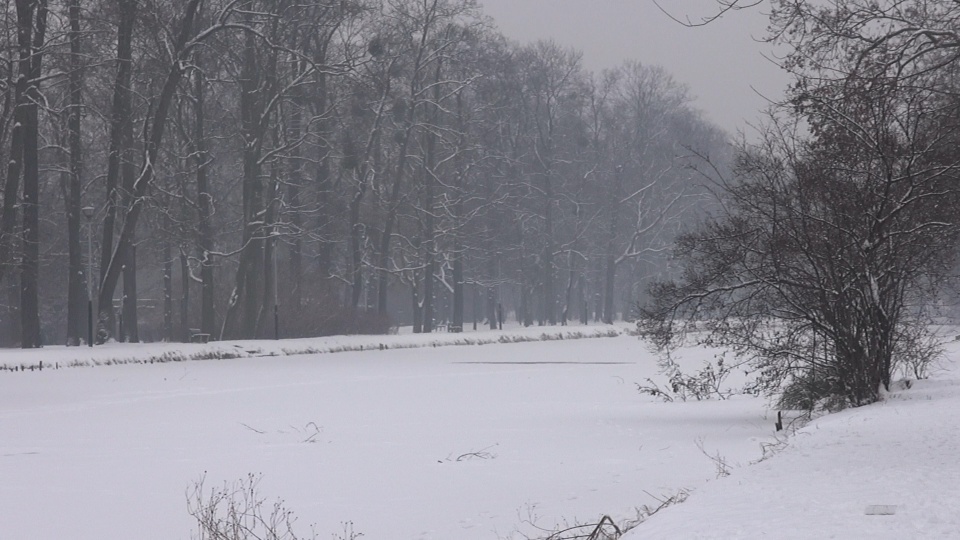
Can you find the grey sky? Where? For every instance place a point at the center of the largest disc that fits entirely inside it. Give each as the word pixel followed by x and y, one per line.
pixel 722 63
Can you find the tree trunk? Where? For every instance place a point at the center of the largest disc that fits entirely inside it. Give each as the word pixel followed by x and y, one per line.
pixel 475 304
pixel 608 288
pixel 250 113
pixel 204 206
pixel 121 129
pixel 11 308
pixel 167 291
pixel 325 216
pixel 458 300
pixel 11 184
pixel 131 324
pixel 266 320
pixel 269 305
pixel 326 213
pixel 244 309
pixel 417 308
pixel 31 44
pixel 185 297
pixel 582 293
pixel 492 293
pixel 129 305
pixel 356 245
pixel 294 281
pixel 571 280
pixel 76 276
pixel 429 242
pixel 429 229
pixel 549 296
pixel 611 257
pixel 76 284
pixel 11 188
pixel 526 294
pixel 393 206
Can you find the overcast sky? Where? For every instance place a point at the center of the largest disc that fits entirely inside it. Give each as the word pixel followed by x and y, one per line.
pixel 723 64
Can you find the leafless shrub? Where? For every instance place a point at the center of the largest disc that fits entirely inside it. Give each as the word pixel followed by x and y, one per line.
pixel 644 512
pixel 348 533
pixel 719 462
pixel 606 528
pixel 702 385
pixel 772 448
pixel 915 357
pixel 653 389
pixel 239 512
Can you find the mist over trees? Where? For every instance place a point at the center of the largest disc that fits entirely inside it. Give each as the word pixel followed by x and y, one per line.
pixel 838 232
pixel 219 166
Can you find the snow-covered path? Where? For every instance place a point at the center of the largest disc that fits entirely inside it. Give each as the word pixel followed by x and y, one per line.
pixel 372 437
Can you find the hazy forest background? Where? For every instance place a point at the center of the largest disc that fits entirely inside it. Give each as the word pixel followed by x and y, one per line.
pixel 331 166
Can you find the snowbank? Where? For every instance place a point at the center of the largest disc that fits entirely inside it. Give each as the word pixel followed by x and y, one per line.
pixel 889 470
pixel 57 357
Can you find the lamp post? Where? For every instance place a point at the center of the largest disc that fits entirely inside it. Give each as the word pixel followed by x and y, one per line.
pixel 88 213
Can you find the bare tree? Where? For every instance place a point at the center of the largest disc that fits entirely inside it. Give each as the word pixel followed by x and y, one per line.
pixel 76 275
pixel 818 271
pixel 31 26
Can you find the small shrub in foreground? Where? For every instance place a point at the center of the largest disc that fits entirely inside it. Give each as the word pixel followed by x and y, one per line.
pixel 239 512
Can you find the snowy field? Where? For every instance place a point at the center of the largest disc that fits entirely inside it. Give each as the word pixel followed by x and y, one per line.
pixel 500 440
pixel 439 442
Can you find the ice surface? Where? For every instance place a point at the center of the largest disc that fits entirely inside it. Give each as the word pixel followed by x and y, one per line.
pixel 380 438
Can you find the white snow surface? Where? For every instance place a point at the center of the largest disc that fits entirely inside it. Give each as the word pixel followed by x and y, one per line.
pixel 452 442
pixel 900 453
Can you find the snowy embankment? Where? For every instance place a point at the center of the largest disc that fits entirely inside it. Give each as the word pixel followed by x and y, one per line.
pixel 56 357
pixel 888 470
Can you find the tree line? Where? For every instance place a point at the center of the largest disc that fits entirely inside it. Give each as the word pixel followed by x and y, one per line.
pixel 254 168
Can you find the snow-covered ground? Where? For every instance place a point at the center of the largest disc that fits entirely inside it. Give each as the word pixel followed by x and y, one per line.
pixel 890 470
pixel 499 440
pixel 437 442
